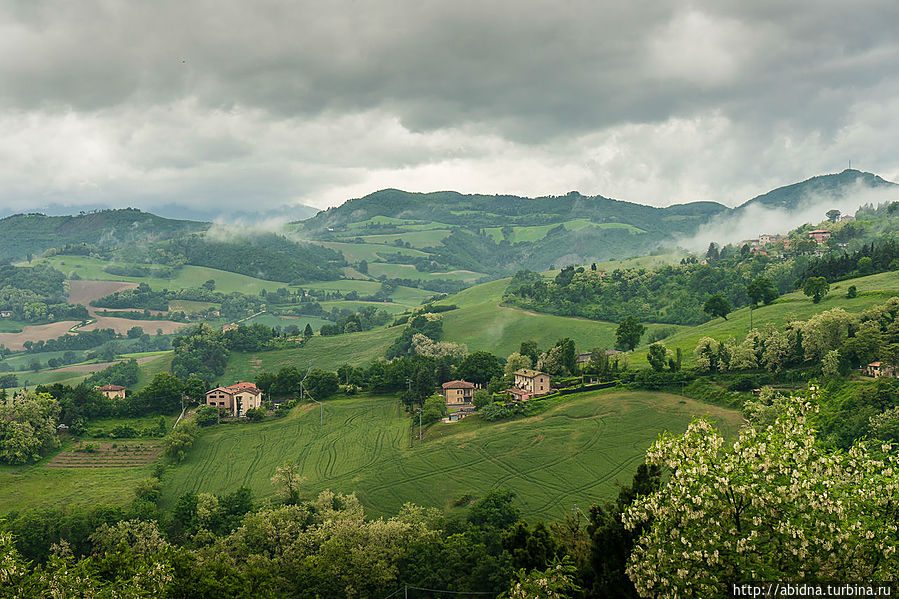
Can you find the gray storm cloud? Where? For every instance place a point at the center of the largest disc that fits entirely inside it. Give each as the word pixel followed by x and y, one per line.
pixel 274 103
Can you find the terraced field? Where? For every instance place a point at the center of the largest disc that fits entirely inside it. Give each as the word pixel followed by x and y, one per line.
pixel 572 454
pixel 108 455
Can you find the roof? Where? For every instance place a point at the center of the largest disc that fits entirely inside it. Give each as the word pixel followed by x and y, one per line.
pixel 111 388
pixel 248 387
pixel 458 385
pixel 527 373
pixel 875 364
pixel 221 389
pixel 818 231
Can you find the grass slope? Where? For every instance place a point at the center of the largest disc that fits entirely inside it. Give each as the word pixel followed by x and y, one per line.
pixel 571 454
pixel 482 324
pixel 872 290
pixel 185 277
pixel 319 352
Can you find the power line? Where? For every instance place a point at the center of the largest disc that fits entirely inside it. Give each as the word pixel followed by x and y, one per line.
pixel 414 588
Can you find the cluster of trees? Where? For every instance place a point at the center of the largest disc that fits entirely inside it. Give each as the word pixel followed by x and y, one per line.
pixel 871 258
pixel 141 297
pixel 134 270
pixel 204 351
pixel 290 382
pixel 266 256
pixel 834 339
pixel 28 427
pixel 36 294
pixel 121 373
pixel 365 319
pixel 673 294
pixel 83 340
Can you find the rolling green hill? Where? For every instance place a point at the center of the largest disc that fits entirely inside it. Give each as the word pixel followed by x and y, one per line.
pixel 571 454
pixel 872 290
pixel 833 186
pixel 34 233
pixel 482 324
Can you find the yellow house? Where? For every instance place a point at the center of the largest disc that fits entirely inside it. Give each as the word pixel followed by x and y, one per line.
pixel 112 391
pixel 530 383
pixel 458 393
pixel 237 398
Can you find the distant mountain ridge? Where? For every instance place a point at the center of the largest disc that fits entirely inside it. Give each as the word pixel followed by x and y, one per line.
pixel 834 186
pixel 34 233
pixel 445 230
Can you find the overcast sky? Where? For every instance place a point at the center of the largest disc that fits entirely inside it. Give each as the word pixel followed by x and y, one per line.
pixel 238 108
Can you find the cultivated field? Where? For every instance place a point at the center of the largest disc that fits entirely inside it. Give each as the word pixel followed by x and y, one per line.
pixel 15 341
pixel 115 454
pixel 84 292
pixel 572 454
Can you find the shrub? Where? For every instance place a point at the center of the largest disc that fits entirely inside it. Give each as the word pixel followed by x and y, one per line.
pixel 255 414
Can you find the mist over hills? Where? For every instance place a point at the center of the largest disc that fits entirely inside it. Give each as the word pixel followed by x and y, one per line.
pixel 490 234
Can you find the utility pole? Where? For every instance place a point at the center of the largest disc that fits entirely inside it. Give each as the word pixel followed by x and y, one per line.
pixel 419 422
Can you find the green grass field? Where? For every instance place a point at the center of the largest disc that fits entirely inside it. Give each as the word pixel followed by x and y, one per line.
pixel 319 352
pixel 11 326
pixel 190 306
pixel 389 307
pixel 538 232
pixel 39 486
pixel 406 224
pixel 185 277
pixel 354 252
pixel 284 322
pixel 872 290
pixel 572 454
pixel 407 271
pixel 417 239
pixel 482 324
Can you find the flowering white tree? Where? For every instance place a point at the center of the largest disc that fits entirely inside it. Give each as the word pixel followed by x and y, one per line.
pixel 774 506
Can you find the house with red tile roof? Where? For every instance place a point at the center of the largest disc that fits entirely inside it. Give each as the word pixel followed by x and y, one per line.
pixel 236 399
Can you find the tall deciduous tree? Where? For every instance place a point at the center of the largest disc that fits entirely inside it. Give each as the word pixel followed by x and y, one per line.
pixel 628 334
pixel 717 305
pixel 816 288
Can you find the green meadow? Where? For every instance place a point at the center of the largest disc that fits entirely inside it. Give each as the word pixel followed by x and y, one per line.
pixel 354 252
pixel 872 290
pixel 482 323
pixel 537 232
pixel 185 277
pixel 417 239
pixel 408 271
pixel 571 454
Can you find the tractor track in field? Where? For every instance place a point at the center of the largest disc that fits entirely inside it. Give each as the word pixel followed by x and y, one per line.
pixel 527 474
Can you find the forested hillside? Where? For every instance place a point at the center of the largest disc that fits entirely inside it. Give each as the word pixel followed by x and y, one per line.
pixel 35 233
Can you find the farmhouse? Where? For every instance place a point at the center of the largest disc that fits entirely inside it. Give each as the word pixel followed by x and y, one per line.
pixel 237 398
pixel 229 327
pixel 879 369
pixel 819 235
pixel 112 391
pixel 529 383
pixel 458 393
